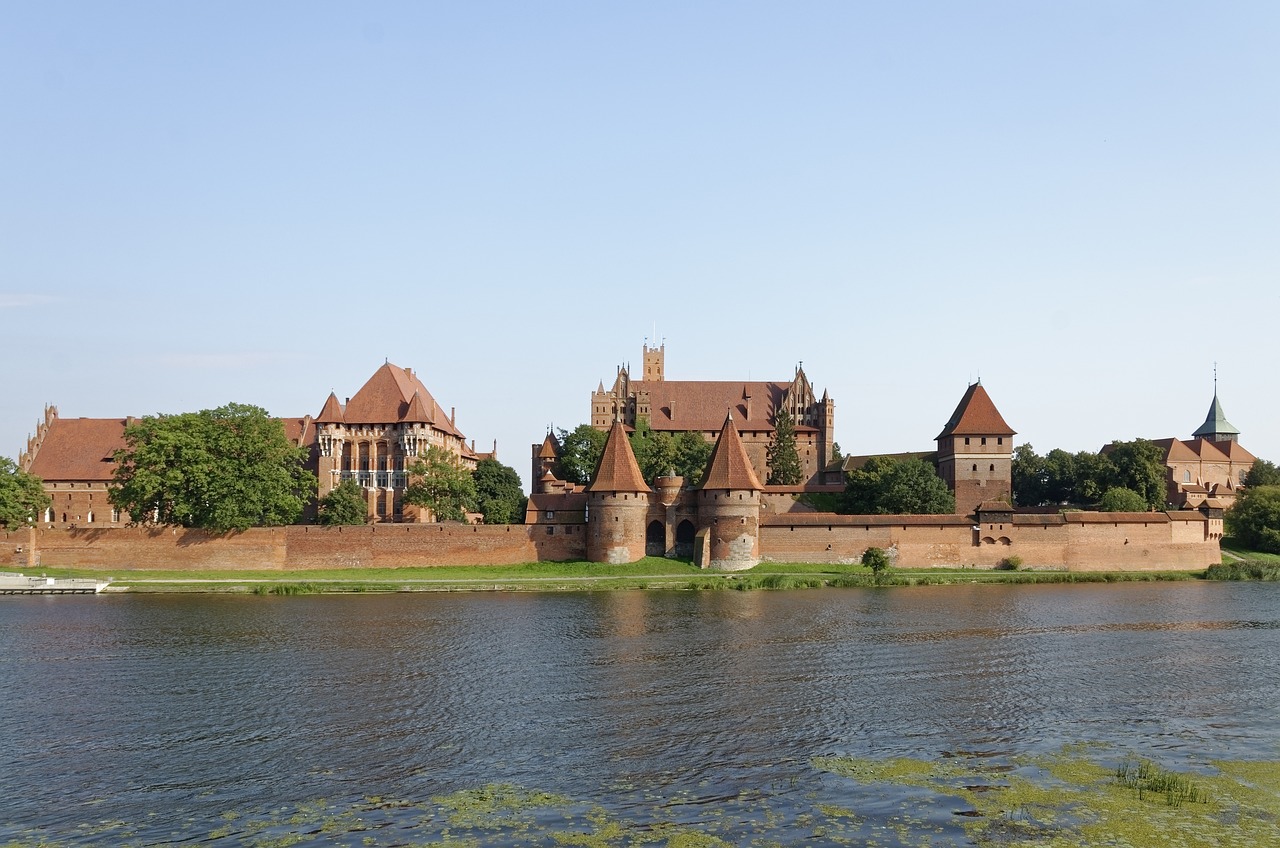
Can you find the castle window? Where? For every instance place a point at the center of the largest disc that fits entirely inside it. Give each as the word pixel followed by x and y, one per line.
pixel 993 467
pixel 966 440
pixel 999 440
pixel 549 514
pixel 115 516
pixel 1186 476
pixel 975 467
pixel 551 531
pixel 984 440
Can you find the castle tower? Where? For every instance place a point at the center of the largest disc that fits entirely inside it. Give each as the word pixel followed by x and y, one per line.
pixel 653 362
pixel 546 458
pixel 1216 427
pixel 975 452
pixel 617 503
pixel 728 503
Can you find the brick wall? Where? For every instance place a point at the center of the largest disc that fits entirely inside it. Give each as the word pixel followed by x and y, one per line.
pixel 301 547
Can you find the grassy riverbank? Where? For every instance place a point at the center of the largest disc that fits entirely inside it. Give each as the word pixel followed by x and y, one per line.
pixel 649 573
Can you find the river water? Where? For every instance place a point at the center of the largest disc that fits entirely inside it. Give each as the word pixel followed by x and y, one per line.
pixel 417 718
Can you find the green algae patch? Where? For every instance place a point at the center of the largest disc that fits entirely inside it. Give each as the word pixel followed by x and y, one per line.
pixel 1071 800
pixel 496 806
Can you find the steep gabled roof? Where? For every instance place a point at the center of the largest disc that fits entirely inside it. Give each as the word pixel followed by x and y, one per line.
pixel 78 449
pixel 618 470
pixel 332 412
pixel 1207 451
pixel 729 466
pixel 976 416
pixel 386 397
pixel 679 405
pixel 1215 423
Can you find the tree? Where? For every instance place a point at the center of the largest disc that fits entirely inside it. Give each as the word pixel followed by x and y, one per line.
pixel 499 493
pixel 345 504
pixel 1120 499
pixel 1139 465
pixel 580 451
pixel 875 559
pixel 785 468
pixel 654 452
pixel 440 483
pixel 22 496
pixel 1029 476
pixel 690 455
pixel 1262 473
pixel 885 486
pixel 1254 519
pixel 225 469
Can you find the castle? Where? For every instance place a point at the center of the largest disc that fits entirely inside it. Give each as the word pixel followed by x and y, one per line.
pixel 675 406
pixel 730 521
pixel 371 438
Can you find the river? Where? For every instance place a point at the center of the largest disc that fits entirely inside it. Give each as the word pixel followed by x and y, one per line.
pixel 629 717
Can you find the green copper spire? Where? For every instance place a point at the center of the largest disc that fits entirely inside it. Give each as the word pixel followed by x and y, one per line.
pixel 1216 427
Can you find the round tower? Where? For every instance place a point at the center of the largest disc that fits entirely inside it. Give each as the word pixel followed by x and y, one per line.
pixel 668 487
pixel 617 503
pixel 729 506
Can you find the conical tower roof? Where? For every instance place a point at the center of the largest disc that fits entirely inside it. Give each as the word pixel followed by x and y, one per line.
pixel 1216 423
pixel 417 412
pixel 550 447
pixel 976 416
pixel 618 470
pixel 729 466
pixel 332 412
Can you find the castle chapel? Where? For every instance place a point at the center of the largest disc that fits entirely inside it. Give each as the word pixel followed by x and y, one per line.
pixel 676 406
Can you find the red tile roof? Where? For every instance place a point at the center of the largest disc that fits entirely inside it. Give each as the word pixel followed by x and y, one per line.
pixel 332 412
pixel 679 405
pixel 79 449
pixel 550 448
pixel 729 467
pixel 976 416
pixel 386 399
pixel 618 470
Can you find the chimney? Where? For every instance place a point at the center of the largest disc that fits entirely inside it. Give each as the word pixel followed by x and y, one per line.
pixel 453 415
pixel 408 372
pixel 671 409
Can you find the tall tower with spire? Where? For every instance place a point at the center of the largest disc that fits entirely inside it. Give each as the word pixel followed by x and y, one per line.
pixel 728 502
pixel 975 452
pixel 1216 427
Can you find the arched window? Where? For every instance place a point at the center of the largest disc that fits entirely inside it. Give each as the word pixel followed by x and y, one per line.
pixel 1186 476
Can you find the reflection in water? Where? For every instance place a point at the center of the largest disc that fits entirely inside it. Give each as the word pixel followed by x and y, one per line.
pixel 167 713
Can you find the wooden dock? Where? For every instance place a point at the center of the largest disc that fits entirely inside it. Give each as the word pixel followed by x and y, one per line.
pixel 20 584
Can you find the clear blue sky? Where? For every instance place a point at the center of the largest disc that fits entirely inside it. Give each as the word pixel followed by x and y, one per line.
pixel 259 202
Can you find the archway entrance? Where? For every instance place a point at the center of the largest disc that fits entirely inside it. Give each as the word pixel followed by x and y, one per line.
pixel 655 539
pixel 685 532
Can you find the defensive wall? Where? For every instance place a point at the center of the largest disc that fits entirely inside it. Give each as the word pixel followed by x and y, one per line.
pixel 298 547
pixel 1075 541
pixel 1084 541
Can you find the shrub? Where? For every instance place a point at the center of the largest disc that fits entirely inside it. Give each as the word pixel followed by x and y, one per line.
pixel 1009 563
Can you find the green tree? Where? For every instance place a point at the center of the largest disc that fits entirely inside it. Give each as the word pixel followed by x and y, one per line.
pixel 654 452
pixel 875 559
pixel 1030 477
pixel 885 486
pixel 580 451
pixel 1120 499
pixel 224 469
pixel 1254 519
pixel 22 496
pixel 499 493
pixel 690 454
pixel 1262 473
pixel 440 483
pixel 345 504
pixel 1139 465
pixel 785 468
